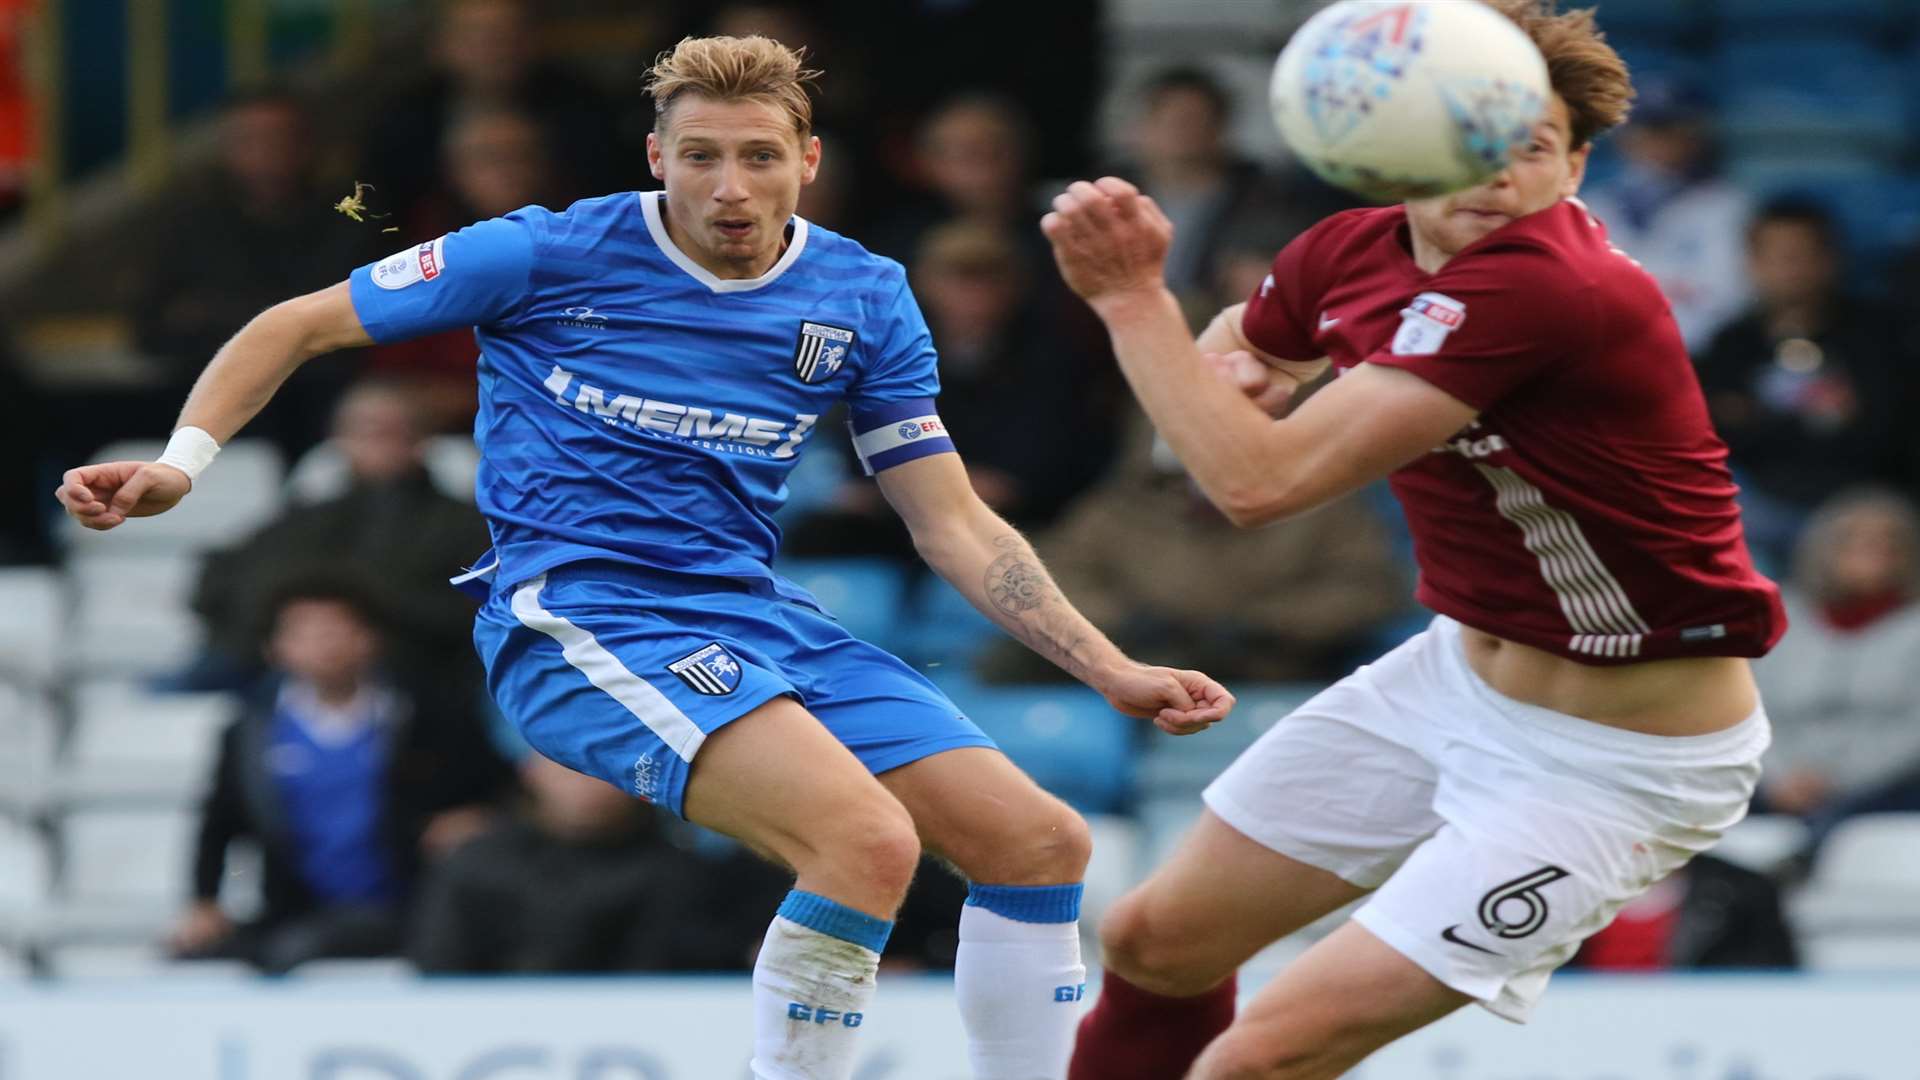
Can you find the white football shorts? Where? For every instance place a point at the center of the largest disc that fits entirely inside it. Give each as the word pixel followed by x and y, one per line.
pixel 1497 835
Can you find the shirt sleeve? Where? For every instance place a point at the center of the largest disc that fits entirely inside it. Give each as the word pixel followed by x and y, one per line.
pixel 890 411
pixel 1491 322
pixel 473 277
pixel 1279 316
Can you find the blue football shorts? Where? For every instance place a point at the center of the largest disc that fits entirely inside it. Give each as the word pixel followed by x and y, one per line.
pixel 621 672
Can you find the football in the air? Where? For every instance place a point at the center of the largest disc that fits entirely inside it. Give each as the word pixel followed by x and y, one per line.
pixel 1406 99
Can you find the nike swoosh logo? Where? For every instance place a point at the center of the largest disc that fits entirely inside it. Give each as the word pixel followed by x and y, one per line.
pixel 1328 324
pixel 1449 934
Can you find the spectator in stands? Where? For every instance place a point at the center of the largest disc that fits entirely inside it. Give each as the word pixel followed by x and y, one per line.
pixel 1211 194
pixel 1708 914
pixel 229 246
pixel 347 780
pixel 1669 208
pixel 494 161
pixel 1036 432
pixel 391 523
pixel 1812 388
pixel 1840 686
pixel 486 55
pixel 972 155
pixel 581 880
pixel 584 879
pixel 1167 572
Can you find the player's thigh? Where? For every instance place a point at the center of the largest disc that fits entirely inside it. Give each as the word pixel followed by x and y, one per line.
pixel 977 810
pixel 780 782
pixel 1220 899
pixel 1347 996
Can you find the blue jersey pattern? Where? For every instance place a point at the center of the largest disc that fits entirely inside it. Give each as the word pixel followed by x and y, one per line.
pixel 632 406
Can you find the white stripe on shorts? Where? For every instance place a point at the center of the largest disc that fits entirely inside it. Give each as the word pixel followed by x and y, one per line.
pixel 605 671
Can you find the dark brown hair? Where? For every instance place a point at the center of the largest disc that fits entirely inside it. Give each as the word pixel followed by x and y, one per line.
pixel 1585 71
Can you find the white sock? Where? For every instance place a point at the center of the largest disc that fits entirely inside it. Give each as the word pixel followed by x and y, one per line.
pixel 811 989
pixel 1020 980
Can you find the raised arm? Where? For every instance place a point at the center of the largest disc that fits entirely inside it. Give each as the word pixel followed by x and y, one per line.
pixel 235 386
pixel 995 568
pixel 1110 242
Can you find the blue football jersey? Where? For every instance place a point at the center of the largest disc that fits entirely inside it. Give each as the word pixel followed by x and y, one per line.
pixel 635 407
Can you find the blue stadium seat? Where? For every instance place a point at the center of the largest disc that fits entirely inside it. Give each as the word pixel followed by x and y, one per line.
pixel 1178 768
pixel 1066 738
pixel 1811 96
pixel 1668 19
pixel 864 594
pixel 1659 56
pixel 1735 18
pixel 941 627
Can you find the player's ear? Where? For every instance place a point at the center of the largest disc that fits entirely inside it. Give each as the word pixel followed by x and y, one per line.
pixel 654 151
pixel 810 159
pixel 1576 170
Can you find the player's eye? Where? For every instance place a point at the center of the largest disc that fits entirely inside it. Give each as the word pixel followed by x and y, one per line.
pixel 765 156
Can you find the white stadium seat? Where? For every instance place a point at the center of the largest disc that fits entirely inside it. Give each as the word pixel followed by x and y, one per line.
pixel 321 473
pixel 1897 951
pixel 27 738
pixel 131 744
pixel 131 614
pixel 1865 880
pixel 237 494
pixel 26 879
pixel 1115 866
pixel 33 613
pixel 1763 842
pixel 128 857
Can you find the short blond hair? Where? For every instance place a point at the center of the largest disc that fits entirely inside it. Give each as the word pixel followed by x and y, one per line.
pixel 751 68
pixel 1585 71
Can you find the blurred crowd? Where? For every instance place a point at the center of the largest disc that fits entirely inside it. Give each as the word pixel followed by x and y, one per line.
pixel 397 818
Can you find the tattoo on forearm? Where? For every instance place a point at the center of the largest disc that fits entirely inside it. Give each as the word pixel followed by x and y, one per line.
pixel 1019 588
pixel 1016 585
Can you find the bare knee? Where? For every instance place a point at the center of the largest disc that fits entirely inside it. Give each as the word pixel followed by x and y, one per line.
pixel 1152 954
pixel 864 856
pixel 1051 847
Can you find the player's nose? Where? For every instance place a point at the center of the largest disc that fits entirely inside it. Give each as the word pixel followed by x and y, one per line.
pixel 732 186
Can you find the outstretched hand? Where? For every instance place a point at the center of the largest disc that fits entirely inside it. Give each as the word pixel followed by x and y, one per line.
pixel 105 495
pixel 1178 702
pixel 1110 240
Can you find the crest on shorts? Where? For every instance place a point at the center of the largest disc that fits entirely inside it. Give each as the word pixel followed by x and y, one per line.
pixel 711 670
pixel 821 351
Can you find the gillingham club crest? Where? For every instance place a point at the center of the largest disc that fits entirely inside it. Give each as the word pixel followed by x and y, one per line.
pixel 821 351
pixel 712 670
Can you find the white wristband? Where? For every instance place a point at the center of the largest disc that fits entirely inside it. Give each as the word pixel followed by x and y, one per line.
pixel 190 450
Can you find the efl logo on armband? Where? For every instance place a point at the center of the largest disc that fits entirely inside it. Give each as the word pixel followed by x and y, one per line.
pixel 412 266
pixel 1425 324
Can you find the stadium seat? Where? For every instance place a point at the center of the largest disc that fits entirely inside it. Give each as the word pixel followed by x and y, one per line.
pixel 1666 20
pixel 1115 866
pixel 321 473
pixel 13 965
pixel 350 970
pixel 1763 842
pixel 1178 768
pixel 1865 879
pixel 130 614
pixel 131 745
pixel 127 857
pixel 141 959
pixel 864 594
pixel 34 627
pixel 1734 18
pixel 237 494
pixel 1897 951
pixel 1068 739
pixel 943 627
pixel 1811 95
pixel 28 737
pixel 26 879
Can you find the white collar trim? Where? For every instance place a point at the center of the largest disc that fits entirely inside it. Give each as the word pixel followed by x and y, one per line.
pixel 657 227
